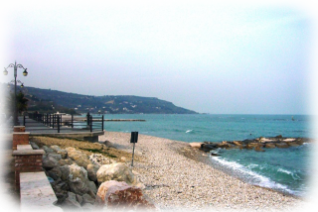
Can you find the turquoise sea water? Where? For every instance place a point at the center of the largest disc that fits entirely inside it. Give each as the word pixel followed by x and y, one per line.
pixel 286 170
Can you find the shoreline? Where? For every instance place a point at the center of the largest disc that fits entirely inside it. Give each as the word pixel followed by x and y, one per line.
pixel 187 180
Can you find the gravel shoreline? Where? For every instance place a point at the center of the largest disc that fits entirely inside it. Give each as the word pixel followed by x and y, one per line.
pixel 177 178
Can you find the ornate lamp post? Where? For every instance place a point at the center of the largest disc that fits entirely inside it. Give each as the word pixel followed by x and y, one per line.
pixel 15 67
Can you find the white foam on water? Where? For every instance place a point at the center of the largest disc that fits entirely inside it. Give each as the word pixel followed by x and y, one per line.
pixel 284 171
pixel 257 179
pixel 252 166
pixel 293 174
pixel 188 131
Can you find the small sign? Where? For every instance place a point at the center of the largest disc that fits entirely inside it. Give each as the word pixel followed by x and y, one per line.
pixel 134 137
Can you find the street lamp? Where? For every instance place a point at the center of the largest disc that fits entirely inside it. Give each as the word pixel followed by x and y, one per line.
pixel 15 67
pixel 18 82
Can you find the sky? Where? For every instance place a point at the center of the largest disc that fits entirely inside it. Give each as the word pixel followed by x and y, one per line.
pixel 220 58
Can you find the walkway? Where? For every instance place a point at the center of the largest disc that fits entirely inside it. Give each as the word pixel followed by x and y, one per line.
pixel 9 198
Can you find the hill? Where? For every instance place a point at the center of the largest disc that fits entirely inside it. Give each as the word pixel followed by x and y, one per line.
pixel 123 104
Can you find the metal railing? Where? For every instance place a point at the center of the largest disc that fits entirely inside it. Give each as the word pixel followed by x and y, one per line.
pixel 59 122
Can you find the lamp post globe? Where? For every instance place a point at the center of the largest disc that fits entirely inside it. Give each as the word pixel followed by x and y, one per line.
pixel 5 72
pixel 25 73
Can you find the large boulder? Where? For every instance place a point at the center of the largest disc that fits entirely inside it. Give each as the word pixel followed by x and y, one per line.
pixel 49 162
pixel 91 171
pixel 99 159
pixel 77 171
pixel 66 161
pixel 79 186
pixel 71 202
pixel 88 199
pixel 55 173
pixel 47 149
pixel 119 195
pixel 59 151
pixel 80 158
pixel 65 172
pixel 55 155
pixel 115 171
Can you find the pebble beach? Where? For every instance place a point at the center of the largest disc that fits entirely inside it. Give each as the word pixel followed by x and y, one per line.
pixel 178 177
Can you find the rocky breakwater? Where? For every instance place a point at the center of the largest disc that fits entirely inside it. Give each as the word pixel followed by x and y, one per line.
pixel 257 144
pixel 86 182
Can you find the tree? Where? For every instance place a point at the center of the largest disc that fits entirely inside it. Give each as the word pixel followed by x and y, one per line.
pixel 22 103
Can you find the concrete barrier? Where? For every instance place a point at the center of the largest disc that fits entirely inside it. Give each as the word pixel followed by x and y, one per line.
pixel 36 193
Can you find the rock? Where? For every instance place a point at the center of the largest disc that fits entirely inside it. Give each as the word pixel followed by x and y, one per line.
pixel 281 145
pixel 54 173
pixel 107 143
pixel 115 171
pixel 238 143
pixel 206 147
pixel 123 159
pixel 195 145
pixel 91 171
pixel 61 196
pixel 259 148
pixel 47 149
pixel 293 143
pixel 79 199
pixel 99 159
pixel 71 202
pixel 49 162
pixel 119 195
pixel 270 145
pixel 80 158
pixel 88 207
pixel 78 186
pixel 66 161
pixel 34 145
pixel 92 187
pixel 60 185
pixel 299 141
pixel 65 172
pixel 223 144
pixel 59 151
pixel 88 199
pixel 55 155
pixel 77 171
pixel 252 145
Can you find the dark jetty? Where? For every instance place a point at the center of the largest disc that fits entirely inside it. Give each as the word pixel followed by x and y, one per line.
pixel 258 144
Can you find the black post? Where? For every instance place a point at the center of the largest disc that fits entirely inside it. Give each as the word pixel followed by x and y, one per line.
pixel 132 161
pixel 133 139
pixel 24 120
pixel 87 118
pixel 91 124
pixel 47 119
pixel 102 122
pixel 72 120
pixel 53 120
pixel 58 124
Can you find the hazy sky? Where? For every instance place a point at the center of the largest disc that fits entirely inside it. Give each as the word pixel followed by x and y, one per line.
pixel 215 58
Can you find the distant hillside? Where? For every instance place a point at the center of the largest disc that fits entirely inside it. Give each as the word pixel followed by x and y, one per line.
pixel 101 104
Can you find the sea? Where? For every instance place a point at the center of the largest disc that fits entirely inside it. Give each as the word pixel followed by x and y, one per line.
pixel 285 170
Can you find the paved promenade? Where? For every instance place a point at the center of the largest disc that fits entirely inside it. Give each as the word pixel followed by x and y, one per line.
pixel 9 198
